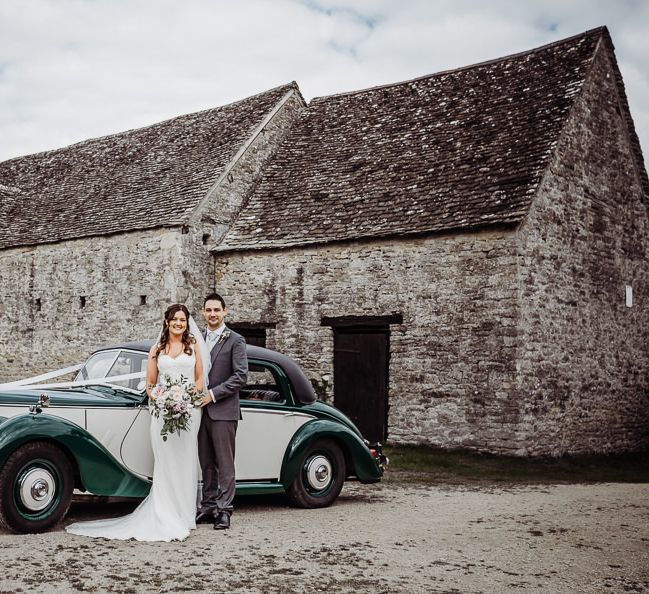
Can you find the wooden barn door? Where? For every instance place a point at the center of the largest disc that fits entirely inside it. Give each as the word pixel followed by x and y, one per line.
pixel 361 377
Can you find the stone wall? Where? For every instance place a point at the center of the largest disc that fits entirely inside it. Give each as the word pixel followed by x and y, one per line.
pixel 43 325
pixel 452 361
pixel 584 359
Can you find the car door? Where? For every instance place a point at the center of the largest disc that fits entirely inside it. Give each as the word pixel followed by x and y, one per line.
pixel 136 451
pixel 123 431
pixel 269 422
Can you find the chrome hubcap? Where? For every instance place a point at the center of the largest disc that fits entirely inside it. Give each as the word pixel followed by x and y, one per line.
pixel 37 489
pixel 318 473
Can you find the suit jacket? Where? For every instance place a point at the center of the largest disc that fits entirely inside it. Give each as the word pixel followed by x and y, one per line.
pixel 228 374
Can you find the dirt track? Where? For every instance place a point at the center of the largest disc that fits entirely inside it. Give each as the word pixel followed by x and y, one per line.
pixel 377 538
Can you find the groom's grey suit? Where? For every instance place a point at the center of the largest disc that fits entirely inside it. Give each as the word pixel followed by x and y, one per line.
pixel 216 436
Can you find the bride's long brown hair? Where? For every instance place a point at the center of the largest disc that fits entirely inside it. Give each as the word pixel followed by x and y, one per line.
pixel 187 339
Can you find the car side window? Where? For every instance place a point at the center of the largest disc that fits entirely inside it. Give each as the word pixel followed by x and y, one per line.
pixel 262 385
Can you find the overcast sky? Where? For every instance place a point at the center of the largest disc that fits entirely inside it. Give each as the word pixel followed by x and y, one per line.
pixel 77 69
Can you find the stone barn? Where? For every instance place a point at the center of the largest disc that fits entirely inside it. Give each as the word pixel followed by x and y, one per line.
pixel 459 260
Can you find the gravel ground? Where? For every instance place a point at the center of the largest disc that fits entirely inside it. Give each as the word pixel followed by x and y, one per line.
pixel 390 537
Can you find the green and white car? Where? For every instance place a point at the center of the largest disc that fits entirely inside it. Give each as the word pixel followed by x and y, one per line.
pixel 92 435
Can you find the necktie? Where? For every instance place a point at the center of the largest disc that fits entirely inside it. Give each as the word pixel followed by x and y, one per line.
pixel 211 339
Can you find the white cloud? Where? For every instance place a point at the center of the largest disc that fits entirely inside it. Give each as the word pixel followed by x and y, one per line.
pixel 76 69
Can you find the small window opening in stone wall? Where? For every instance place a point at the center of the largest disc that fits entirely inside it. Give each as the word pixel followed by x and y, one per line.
pixel 206 238
pixel 37 303
pixel 142 299
pixel 629 296
pixel 82 301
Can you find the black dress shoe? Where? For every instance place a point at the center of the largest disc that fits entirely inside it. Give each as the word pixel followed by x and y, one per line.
pixel 204 517
pixel 222 521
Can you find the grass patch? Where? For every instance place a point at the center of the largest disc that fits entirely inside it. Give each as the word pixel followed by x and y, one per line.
pixel 434 465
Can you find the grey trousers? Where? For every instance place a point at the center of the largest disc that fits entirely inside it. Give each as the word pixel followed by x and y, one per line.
pixel 216 441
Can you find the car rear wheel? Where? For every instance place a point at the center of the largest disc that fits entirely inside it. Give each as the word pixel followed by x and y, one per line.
pixel 36 486
pixel 320 476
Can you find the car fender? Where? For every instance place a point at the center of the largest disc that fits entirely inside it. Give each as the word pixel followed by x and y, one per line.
pixel 100 473
pixel 365 467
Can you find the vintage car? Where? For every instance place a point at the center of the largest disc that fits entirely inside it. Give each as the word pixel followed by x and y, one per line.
pixel 92 434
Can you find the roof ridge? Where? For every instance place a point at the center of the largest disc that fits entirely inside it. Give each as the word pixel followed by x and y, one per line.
pixel 292 84
pixel 601 29
pixel 243 148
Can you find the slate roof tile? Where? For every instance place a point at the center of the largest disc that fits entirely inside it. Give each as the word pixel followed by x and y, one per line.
pixel 144 178
pixel 455 150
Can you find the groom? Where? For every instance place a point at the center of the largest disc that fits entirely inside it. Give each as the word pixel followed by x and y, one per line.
pixel 221 414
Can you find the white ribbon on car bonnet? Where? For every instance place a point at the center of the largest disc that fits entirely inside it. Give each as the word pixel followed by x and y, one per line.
pixel 32 382
pixel 43 376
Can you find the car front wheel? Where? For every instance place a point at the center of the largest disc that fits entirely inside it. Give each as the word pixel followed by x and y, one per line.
pixel 320 476
pixel 36 486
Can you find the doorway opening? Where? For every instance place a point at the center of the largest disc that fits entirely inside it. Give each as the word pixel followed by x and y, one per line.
pixel 361 371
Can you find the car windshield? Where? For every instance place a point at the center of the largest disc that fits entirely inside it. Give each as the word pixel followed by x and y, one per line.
pixel 110 367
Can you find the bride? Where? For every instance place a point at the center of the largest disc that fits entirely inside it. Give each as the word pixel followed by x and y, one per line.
pixel 168 512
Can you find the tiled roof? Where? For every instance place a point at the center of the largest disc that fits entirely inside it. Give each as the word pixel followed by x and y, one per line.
pixel 456 150
pixel 139 179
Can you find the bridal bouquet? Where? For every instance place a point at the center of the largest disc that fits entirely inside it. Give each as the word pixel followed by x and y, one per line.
pixel 174 400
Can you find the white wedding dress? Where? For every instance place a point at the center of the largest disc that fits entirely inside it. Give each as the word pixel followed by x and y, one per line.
pixel 169 511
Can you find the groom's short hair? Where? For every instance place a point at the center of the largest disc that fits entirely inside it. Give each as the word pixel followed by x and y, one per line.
pixel 214 297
